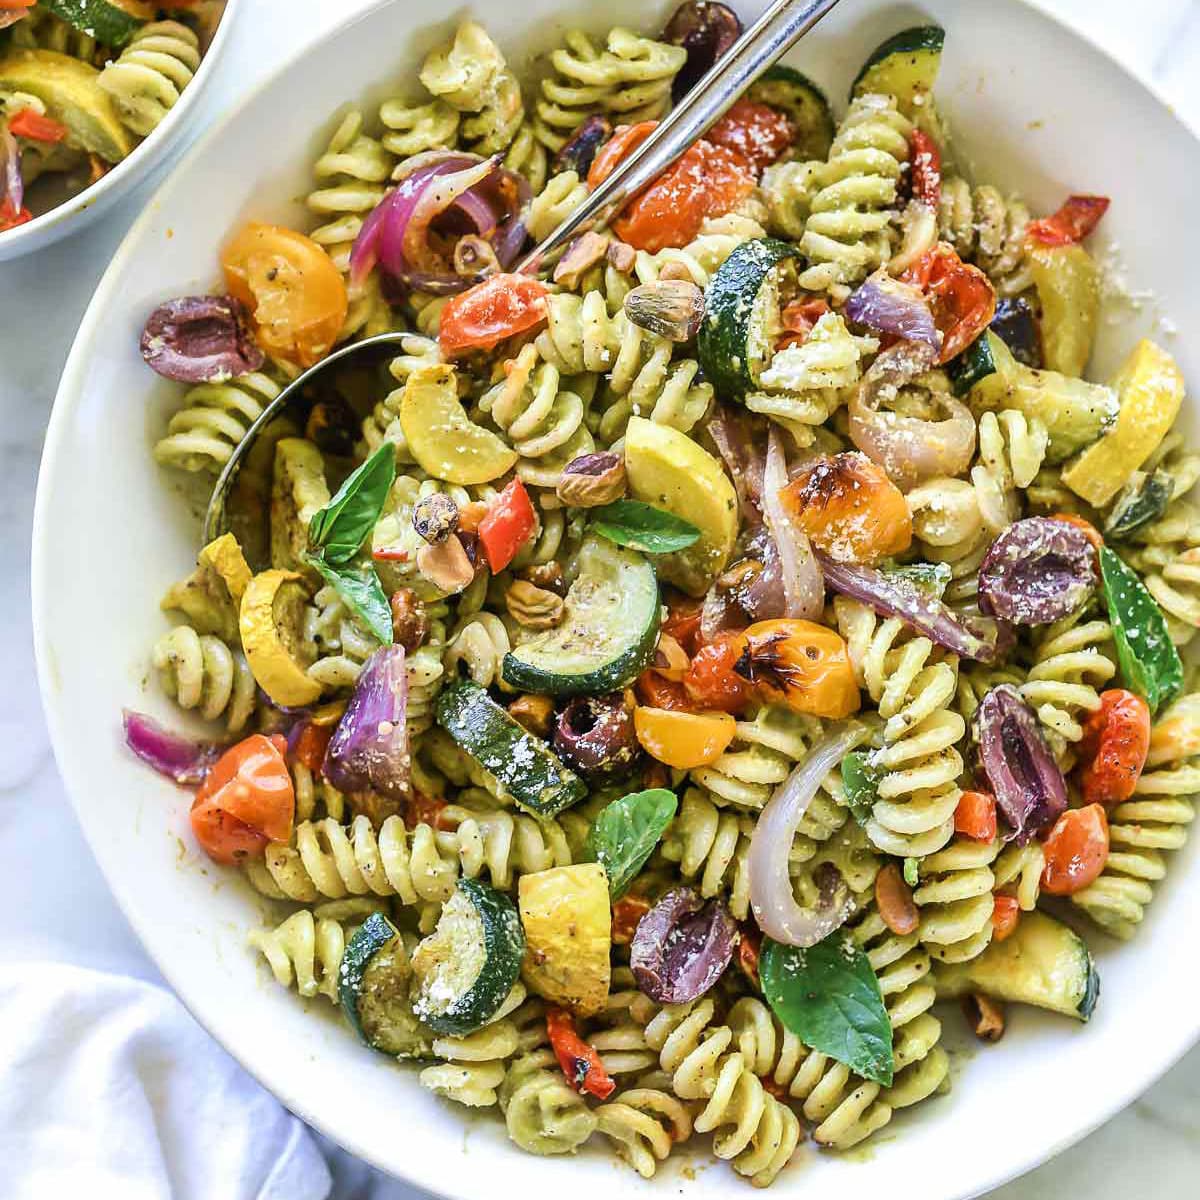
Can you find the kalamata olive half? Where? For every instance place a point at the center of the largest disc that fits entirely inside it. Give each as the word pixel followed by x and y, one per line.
pixel 1016 326
pixel 581 148
pixel 200 339
pixel 1028 785
pixel 705 31
pixel 682 947
pixel 1038 570
pixel 595 735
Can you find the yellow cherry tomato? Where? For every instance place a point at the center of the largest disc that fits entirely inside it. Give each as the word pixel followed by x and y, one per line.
pixel 294 292
pixel 683 739
pixel 802 664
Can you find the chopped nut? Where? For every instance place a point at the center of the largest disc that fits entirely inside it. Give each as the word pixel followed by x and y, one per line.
pixel 547 575
pixel 533 713
pixel 670 659
pixel 410 622
pixel 894 899
pixel 985 1016
pixel 581 255
pixel 592 480
pixel 470 515
pixel 533 607
pixel 622 256
pixel 474 255
pixel 446 566
pixel 675 272
pixel 435 518
pixel 655 775
pixel 670 308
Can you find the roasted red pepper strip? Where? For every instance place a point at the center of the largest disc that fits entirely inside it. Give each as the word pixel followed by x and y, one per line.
pixel 926 169
pixel 627 915
pixel 1006 912
pixel 423 810
pixel 1077 218
pixel 961 297
pixel 975 816
pixel 1116 740
pixel 580 1063
pixel 508 525
pixel 36 128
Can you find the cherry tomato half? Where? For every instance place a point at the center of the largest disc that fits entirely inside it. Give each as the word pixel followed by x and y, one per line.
pixel 975 816
pixel 1076 850
pixel 711 681
pixel 1078 216
pixel 1116 740
pixel 757 132
pixel 961 297
pixel 290 285
pixel 485 315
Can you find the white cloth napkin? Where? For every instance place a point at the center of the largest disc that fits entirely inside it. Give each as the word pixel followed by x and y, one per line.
pixel 108 1087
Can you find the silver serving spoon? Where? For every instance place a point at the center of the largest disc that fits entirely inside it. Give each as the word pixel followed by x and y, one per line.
pixel 380 348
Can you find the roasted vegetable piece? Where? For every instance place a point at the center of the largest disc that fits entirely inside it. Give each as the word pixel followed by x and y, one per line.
pixel 1068 288
pixel 209 597
pixel 712 682
pixel 682 947
pixel 1076 850
pixel 975 816
pixel 906 66
pixel 1141 501
pixel 568 923
pixel 801 664
pixel 683 740
pixel 705 30
pixel 579 1061
pixel 298 493
pixel 1037 571
pixel 595 735
pixel 271 622
pixel 1116 740
pixel 850 509
pixel 484 315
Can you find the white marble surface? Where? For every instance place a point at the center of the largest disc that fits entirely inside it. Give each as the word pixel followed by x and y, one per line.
pixel 56 904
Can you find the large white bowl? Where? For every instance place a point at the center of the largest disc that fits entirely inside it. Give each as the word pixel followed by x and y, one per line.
pixel 149 160
pixel 1034 107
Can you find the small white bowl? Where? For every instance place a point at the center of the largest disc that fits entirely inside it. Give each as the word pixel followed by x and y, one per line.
pixel 150 159
pixel 1034 108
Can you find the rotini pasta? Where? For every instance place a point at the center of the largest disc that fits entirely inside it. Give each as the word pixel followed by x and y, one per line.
pixel 151 73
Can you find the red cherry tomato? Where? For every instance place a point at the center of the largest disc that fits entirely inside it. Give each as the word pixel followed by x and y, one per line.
pixel 308 747
pixel 655 691
pixel 975 816
pixel 961 297
pixel 758 132
pixel 925 169
pixel 508 525
pixel 485 315
pixel 1076 850
pixel 683 621
pixel 1116 740
pixel 712 683
pixel 1077 218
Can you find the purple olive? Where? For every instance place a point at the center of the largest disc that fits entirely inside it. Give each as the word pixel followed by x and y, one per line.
pixel 1029 787
pixel 1016 326
pixel 200 339
pixel 580 150
pixel 682 947
pixel 595 735
pixel 705 31
pixel 1038 570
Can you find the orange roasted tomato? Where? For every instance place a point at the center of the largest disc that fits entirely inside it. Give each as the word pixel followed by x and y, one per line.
pixel 711 681
pixel 960 296
pixel 1076 850
pixel 245 801
pixel 1113 750
pixel 850 509
pixel 683 739
pixel 804 665
pixel 296 295
pixel 706 181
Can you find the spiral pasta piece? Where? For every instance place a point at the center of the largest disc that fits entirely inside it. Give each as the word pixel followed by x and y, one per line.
pixel 148 78
pixel 988 230
pixel 543 1113
pixel 213 420
pixel 476 648
pixel 315 796
pixel 846 235
pixel 41 30
pixel 751 1128
pixel 343 645
pixel 563 193
pixel 418 128
pixel 955 899
pixel 473 1065
pixel 644 1123
pixel 699 260
pixel 200 671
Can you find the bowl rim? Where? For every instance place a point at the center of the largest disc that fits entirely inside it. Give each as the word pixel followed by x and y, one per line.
pixel 420 1172
pixel 126 174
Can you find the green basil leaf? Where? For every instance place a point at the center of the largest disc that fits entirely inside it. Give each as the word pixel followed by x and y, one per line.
pixel 1150 664
pixel 861 781
pixel 644 527
pixel 341 527
pixel 912 871
pixel 625 832
pixel 359 587
pixel 829 998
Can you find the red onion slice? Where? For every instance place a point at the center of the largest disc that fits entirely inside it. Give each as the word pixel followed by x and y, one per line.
pixel 889 306
pixel 743 458
pixel 369 748
pixel 968 635
pixel 771 892
pixel 803 585
pixel 12 185
pixel 909 449
pixel 181 759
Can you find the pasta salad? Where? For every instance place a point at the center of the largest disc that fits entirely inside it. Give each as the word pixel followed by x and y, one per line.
pixel 82 83
pixel 648 685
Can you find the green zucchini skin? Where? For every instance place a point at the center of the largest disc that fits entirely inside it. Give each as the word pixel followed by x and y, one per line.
pixel 726 333
pixel 504 948
pixel 794 94
pixel 112 22
pixel 369 938
pixel 1143 500
pixel 618 638
pixel 534 776
pixel 973 364
pixel 904 65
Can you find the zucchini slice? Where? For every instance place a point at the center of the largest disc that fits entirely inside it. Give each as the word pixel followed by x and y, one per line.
pixel 374 985
pixel 525 766
pixel 466 968
pixel 905 66
pixel 976 362
pixel 607 636
pixel 1043 963
pixel 110 22
pixel 567 917
pixel 794 94
pixel 1142 500
pixel 741 314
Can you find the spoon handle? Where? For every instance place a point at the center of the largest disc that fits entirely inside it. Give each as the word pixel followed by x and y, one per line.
pixel 759 47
